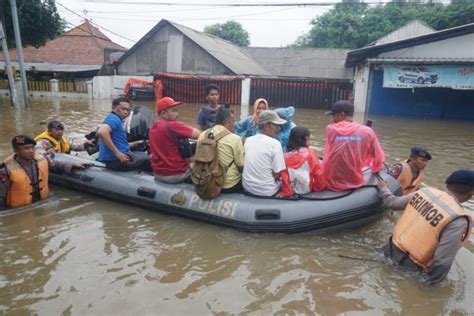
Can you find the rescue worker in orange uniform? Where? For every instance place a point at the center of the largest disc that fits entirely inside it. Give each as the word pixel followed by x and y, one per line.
pixel 433 226
pixel 25 176
pixel 410 173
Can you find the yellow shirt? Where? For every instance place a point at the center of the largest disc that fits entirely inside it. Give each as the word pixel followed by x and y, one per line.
pixel 229 148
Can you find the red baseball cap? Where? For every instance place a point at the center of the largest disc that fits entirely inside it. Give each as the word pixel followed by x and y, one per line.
pixel 165 103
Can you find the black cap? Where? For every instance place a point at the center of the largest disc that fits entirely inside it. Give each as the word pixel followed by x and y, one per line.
pixel 55 124
pixel 462 176
pixel 342 106
pixel 20 140
pixel 420 151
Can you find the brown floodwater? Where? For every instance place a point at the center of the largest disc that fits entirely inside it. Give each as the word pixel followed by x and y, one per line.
pixel 76 254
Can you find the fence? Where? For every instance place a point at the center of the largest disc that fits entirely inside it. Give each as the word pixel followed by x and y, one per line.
pixel 193 89
pixel 316 94
pixel 48 86
pixel 73 86
pixel 4 84
pixel 39 85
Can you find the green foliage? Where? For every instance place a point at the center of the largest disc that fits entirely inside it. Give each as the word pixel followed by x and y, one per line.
pixel 231 31
pixel 39 21
pixel 354 25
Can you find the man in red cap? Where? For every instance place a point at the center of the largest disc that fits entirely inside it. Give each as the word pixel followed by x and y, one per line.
pixel 167 143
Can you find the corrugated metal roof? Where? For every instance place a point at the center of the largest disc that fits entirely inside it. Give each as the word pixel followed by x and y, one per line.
pixel 422 60
pixel 54 67
pixel 359 55
pixel 327 63
pixel 227 53
pixel 411 29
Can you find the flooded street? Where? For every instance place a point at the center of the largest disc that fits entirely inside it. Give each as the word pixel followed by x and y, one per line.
pixel 76 254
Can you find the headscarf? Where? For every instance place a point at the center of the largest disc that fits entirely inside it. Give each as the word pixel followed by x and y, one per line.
pixel 255 106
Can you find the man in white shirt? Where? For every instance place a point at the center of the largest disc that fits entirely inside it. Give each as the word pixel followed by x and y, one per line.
pixel 264 159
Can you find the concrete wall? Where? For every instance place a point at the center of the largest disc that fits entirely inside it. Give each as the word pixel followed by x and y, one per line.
pixel 104 87
pixel 451 48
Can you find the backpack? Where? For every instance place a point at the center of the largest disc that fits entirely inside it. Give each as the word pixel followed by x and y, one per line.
pixel 207 174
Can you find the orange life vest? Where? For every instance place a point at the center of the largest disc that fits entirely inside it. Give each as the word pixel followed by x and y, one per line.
pixel 62 146
pixel 21 188
pixel 406 180
pixel 418 231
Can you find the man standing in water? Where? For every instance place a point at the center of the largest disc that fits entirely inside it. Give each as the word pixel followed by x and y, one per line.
pixel 25 179
pixel 433 226
pixel 349 148
pixel 410 173
pixel 207 115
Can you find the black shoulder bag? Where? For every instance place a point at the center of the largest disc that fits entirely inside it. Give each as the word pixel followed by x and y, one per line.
pixel 184 146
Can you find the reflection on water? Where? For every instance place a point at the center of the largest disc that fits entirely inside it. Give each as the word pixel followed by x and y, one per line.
pixel 77 254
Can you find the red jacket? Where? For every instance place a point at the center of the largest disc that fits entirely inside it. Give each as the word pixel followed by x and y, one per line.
pixel 349 148
pixel 295 160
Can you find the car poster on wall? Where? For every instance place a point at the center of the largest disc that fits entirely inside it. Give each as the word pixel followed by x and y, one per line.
pixel 429 76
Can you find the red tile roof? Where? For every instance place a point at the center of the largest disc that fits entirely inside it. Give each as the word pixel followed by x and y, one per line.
pixel 82 45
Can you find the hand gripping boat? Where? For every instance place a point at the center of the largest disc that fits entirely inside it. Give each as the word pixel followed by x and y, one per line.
pixel 315 211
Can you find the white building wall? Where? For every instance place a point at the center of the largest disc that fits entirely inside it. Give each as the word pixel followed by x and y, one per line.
pixel 361 83
pixel 451 48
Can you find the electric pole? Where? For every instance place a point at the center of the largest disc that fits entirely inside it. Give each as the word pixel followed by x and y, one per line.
pixel 8 65
pixel 19 51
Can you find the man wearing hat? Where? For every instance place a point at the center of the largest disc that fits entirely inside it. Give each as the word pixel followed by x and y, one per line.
pixel 264 159
pixel 114 148
pixel 433 226
pixel 167 163
pixel 27 173
pixel 410 173
pixel 349 148
pixel 53 139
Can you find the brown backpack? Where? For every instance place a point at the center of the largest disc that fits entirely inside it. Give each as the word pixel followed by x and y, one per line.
pixel 207 173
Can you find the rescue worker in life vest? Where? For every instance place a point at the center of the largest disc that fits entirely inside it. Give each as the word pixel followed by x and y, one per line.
pixel 24 178
pixel 53 140
pixel 433 226
pixel 410 173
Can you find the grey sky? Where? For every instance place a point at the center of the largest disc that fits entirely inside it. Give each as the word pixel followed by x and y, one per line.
pixel 268 26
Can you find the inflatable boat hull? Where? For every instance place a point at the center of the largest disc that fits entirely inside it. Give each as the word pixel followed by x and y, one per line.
pixel 317 211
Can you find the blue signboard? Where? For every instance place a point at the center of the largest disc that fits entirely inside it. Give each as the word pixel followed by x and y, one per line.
pixel 432 76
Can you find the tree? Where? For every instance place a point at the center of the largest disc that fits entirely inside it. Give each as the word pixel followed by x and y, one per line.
pixel 39 21
pixel 354 25
pixel 231 31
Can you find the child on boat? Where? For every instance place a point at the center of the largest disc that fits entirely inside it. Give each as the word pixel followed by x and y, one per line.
pixel 303 172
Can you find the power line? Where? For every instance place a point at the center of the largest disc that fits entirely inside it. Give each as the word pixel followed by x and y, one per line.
pixel 95 24
pixel 199 19
pixel 274 4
